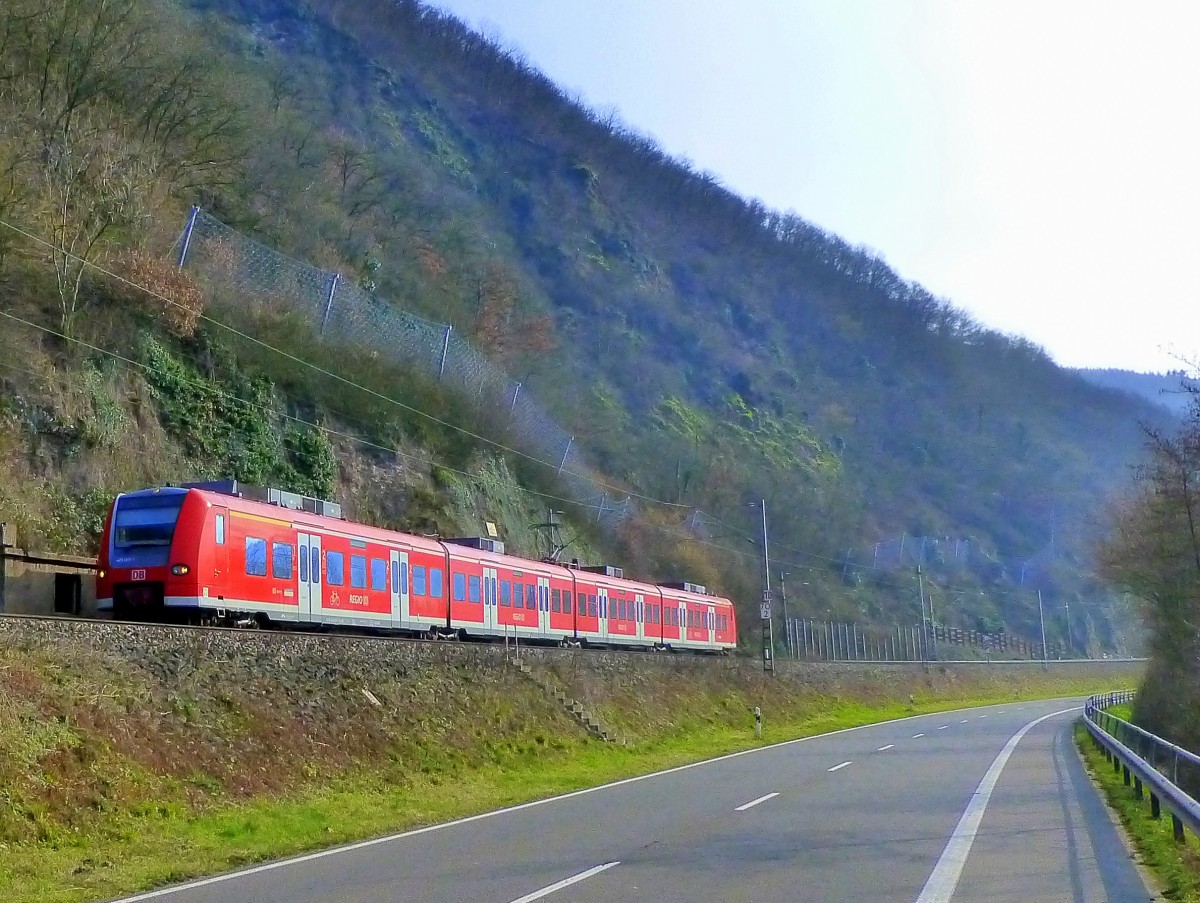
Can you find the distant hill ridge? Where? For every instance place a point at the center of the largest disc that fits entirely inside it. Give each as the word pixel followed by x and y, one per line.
pixel 1172 390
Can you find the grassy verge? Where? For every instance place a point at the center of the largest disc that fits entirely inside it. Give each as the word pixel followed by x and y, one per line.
pixel 157 845
pixel 1176 867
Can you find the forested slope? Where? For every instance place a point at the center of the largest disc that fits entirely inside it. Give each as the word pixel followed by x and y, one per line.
pixel 705 351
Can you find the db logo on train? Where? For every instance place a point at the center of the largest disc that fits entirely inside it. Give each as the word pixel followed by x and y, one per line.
pixel 137 575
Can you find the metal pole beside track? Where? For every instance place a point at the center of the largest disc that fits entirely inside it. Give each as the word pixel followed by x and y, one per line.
pixel 3 548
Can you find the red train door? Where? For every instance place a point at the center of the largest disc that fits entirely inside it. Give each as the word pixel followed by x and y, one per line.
pixel 309 594
pixel 220 572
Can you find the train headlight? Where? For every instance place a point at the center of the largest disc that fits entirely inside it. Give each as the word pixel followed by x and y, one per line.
pixel 180 570
pixel 103 573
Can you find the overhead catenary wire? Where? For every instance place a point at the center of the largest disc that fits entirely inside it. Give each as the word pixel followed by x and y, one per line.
pixel 585 505
pixel 131 364
pixel 335 376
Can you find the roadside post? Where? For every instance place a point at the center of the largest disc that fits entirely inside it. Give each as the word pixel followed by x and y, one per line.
pixel 757 723
pixel 3 549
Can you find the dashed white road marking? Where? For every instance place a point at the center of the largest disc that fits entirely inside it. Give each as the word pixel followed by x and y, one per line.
pixel 964 721
pixel 761 799
pixel 882 748
pixel 838 767
pixel 566 882
pixel 915 736
pixel 983 716
pixel 943 727
pixel 944 878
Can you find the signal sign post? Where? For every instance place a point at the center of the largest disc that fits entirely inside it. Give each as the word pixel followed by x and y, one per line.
pixel 768 633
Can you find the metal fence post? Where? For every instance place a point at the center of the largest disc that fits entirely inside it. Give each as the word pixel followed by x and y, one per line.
pixel 187 236
pixel 566 451
pixel 512 407
pixel 333 284
pixel 445 351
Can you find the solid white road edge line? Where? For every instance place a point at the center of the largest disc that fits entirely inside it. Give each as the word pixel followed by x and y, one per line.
pixel 838 767
pixel 566 882
pixel 375 841
pixel 761 799
pixel 944 878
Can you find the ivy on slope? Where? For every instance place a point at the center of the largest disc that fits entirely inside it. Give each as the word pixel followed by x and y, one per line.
pixel 232 424
pixel 780 443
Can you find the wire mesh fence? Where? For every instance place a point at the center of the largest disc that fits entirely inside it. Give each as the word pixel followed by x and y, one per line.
pixel 232 265
pixel 225 261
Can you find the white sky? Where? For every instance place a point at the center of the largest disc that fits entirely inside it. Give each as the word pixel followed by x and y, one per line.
pixel 1034 162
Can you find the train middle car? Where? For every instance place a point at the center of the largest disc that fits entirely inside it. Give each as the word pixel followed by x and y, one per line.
pixel 195 553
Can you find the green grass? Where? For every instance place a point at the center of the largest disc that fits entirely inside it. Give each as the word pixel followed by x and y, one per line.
pixel 161 845
pixel 1175 867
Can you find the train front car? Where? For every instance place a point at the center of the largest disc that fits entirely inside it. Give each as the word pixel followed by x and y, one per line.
pixel 148 553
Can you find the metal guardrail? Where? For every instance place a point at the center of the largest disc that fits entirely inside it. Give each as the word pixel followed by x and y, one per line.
pixel 1152 765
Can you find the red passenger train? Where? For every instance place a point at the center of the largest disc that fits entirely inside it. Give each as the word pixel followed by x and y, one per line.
pixel 208 551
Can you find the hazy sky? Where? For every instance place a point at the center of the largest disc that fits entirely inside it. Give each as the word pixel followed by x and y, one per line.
pixel 1034 162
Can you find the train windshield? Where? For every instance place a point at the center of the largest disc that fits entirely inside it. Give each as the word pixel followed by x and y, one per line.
pixel 145 522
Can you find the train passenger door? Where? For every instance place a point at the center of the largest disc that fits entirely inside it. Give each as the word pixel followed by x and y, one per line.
pixel 639 616
pixel 309 595
pixel 603 612
pixel 220 550
pixel 544 605
pixel 400 610
pixel 490 600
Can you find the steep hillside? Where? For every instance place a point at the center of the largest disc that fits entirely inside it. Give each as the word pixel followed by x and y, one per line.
pixel 704 351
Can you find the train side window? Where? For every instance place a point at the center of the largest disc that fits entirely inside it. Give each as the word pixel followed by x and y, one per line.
pixel 403 576
pixel 531 595
pixel 506 593
pixel 592 606
pixel 621 609
pixel 358 571
pixel 281 560
pixel 566 601
pixel 316 564
pixel 220 529
pixel 460 587
pixel 335 568
pixel 419 580
pixel 304 564
pixel 473 589
pixel 379 579
pixel 396 581
pixel 556 600
pixel 256 556
pixel 435 582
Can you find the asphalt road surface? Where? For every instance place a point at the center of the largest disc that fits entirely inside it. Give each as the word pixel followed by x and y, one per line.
pixel 988 804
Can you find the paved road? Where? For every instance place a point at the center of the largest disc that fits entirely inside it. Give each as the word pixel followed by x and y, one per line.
pixel 986 804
